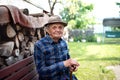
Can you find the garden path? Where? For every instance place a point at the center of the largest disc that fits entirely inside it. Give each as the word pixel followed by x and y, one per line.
pixel 116 70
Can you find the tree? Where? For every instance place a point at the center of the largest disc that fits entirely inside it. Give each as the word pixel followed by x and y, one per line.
pixel 52 5
pixel 77 11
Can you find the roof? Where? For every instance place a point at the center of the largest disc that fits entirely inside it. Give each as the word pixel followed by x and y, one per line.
pixel 113 22
pixel 21 5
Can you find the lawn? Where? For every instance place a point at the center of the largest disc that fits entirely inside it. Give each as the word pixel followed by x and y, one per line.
pixel 94 58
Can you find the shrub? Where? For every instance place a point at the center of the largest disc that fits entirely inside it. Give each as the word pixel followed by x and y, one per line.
pixel 91 38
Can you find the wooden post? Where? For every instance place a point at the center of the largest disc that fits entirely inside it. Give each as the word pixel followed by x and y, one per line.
pixel 70 75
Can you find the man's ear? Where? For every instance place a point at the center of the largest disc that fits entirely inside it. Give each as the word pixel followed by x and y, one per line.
pixel 46 30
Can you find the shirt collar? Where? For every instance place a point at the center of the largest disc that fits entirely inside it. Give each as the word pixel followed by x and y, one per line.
pixel 51 40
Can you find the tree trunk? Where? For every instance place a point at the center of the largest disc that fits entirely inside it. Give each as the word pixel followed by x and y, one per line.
pixel 6 49
pixel 10 60
pixel 20 36
pixel 16 52
pixel 31 47
pixel 23 45
pixel 17 44
pixel 18 28
pixel 10 31
pixel 38 33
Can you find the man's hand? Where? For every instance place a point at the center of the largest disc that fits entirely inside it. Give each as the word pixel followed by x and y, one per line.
pixel 72 64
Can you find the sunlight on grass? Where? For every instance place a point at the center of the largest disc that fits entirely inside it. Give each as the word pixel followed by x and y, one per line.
pixel 94 58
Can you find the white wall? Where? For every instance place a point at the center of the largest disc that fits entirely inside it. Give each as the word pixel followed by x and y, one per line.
pixel 21 5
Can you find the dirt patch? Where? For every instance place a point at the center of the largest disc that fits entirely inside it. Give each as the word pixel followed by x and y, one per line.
pixel 116 70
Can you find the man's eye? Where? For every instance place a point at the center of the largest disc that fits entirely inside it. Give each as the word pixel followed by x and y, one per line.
pixel 54 27
pixel 60 27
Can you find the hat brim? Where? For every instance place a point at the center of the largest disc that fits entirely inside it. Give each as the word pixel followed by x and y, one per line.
pixel 63 23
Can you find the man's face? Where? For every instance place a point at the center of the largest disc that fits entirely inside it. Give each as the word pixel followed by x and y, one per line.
pixel 55 30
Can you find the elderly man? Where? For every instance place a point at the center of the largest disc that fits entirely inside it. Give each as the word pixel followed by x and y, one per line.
pixel 51 54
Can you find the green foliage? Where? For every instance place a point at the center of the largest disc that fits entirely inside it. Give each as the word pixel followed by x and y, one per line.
pixel 78 38
pixel 115 28
pixel 72 24
pixel 80 35
pixel 87 38
pixel 91 38
pixel 78 11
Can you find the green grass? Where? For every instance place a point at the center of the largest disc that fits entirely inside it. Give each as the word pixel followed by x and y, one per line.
pixel 94 58
pixel 107 40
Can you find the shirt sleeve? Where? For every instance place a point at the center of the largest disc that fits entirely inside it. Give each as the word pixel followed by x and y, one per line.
pixel 43 70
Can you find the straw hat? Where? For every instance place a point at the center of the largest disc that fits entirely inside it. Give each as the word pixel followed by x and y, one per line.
pixel 55 19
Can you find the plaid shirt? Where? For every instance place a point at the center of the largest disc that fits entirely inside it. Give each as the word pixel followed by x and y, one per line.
pixel 49 57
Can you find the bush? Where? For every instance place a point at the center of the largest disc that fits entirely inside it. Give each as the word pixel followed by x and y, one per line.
pixel 78 35
pixel 91 38
pixel 77 38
